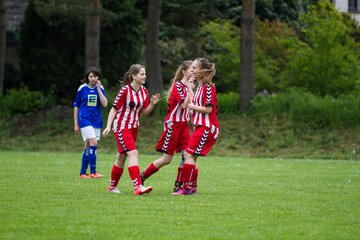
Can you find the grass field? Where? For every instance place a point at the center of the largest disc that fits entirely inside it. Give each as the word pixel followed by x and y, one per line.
pixel 239 198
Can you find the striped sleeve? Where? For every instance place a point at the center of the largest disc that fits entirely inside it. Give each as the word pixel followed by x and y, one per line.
pixel 120 98
pixel 209 99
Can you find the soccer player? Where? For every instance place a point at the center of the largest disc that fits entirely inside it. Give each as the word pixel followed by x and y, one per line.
pixel 88 119
pixel 131 101
pixel 176 132
pixel 204 105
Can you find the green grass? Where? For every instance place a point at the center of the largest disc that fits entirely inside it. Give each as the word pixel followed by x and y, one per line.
pixel 241 135
pixel 239 198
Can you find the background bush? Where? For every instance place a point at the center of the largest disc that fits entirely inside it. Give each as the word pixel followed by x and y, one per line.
pixel 309 109
pixel 23 101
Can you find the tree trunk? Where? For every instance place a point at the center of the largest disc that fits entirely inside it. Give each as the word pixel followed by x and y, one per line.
pixel 247 83
pixel 2 45
pixel 92 38
pixel 153 62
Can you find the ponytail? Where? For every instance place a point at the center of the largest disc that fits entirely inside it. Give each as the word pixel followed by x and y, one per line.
pixel 179 74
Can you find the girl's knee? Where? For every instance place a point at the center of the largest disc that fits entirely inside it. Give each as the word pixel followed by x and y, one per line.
pixel 133 154
pixel 166 159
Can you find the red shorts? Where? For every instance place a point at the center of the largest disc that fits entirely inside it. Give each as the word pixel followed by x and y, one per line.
pixel 201 141
pixel 126 139
pixel 174 138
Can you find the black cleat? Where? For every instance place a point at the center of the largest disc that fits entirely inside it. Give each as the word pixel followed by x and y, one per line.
pixel 177 186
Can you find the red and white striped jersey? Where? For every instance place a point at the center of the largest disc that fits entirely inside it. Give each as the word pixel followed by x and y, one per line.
pixel 206 96
pixel 129 104
pixel 175 112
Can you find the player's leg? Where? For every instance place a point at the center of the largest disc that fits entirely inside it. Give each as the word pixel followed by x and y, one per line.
pixel 188 175
pixel 155 166
pixel 119 165
pixel 197 139
pixel 166 145
pixel 134 172
pixel 202 140
pixel 183 142
pixel 92 149
pixel 92 135
pixel 178 180
pixel 126 139
pixel 207 142
pixel 93 158
pixel 116 173
pixel 85 161
pixel 86 133
pixel 195 178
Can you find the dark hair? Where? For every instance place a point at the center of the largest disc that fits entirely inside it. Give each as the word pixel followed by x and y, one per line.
pixel 206 70
pixel 134 69
pixel 92 70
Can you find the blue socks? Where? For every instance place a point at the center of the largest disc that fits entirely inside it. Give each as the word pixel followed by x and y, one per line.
pixel 92 158
pixel 84 162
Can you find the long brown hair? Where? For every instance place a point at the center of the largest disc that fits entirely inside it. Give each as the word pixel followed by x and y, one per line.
pixel 206 71
pixel 134 69
pixel 179 73
pixel 92 70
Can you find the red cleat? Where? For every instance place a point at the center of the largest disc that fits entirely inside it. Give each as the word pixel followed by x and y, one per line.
pixel 142 189
pixel 95 175
pixel 84 176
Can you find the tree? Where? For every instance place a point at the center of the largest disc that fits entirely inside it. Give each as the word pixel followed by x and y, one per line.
pixel 328 62
pixel 153 61
pixel 2 45
pixel 247 83
pixel 52 44
pixel 122 38
pixel 52 56
pixel 81 9
pixel 92 38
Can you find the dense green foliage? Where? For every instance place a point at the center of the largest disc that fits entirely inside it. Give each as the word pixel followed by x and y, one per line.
pixel 323 59
pixel 181 24
pixel 237 198
pixel 122 39
pixel 52 45
pixel 295 47
pixel 329 61
pixel 273 39
pixel 223 47
pixel 51 54
pixel 23 101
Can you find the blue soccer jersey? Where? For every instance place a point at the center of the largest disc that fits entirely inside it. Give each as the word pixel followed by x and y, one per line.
pixel 88 101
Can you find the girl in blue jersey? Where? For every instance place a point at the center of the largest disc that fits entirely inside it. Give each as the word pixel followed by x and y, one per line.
pixel 88 118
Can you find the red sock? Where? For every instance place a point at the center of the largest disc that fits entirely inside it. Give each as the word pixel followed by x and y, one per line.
pixel 150 170
pixel 134 172
pixel 196 173
pixel 188 173
pixel 116 173
pixel 179 174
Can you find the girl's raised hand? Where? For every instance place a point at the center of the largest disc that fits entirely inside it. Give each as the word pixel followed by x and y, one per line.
pixel 155 98
pixel 191 83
